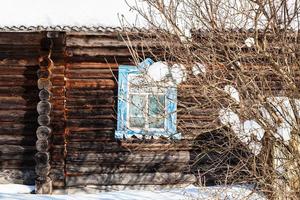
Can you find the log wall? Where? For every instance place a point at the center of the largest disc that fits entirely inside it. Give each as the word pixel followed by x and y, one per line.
pixel 18 100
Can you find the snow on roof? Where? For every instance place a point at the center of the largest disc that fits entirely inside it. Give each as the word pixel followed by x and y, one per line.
pixel 70 13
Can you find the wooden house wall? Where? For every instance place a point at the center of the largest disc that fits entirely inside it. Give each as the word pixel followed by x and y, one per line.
pixel 83 118
pixel 93 156
pixel 18 99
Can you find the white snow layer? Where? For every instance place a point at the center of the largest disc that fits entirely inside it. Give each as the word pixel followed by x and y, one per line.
pixel 191 192
pixel 160 71
pixel 232 92
pixel 66 13
pixel 15 188
pixel 199 68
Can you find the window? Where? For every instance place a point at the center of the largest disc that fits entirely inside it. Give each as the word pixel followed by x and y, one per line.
pixel 145 107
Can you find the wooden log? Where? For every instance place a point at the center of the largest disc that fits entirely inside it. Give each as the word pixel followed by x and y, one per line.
pixel 79 93
pixel 17 139
pixel 130 179
pixel 42 145
pixel 46 44
pixel 87 102
pixel 95 123
pixel 16 149
pixel 42 170
pixel 90 84
pixel 58 80
pixel 90 74
pixel 73 169
pixel 92 65
pixel 14 91
pixel 19 62
pixel 129 157
pixel 43 132
pixel 20 38
pixel 93 52
pixel 45 95
pixel 44 107
pixel 17 164
pixel 77 113
pixel 20 70
pixel 42 158
pixel 43 186
pixel 46 63
pixel 18 115
pixel 44 84
pixel 44 73
pixel 15 128
pixel 44 120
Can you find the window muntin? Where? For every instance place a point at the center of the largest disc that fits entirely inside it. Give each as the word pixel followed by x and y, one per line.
pixel 158 102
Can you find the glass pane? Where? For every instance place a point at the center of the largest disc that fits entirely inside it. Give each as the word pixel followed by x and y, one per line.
pixel 156 111
pixel 137 122
pixel 136 111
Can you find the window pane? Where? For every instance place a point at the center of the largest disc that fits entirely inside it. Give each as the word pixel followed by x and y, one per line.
pixel 156 111
pixel 136 111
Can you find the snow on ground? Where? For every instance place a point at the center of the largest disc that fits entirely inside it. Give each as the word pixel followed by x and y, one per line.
pixel 188 193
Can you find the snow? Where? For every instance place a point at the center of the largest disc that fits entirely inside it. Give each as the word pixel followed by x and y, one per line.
pixel 16 188
pixel 243 130
pixel 158 71
pixel 232 92
pixel 178 73
pixel 190 192
pixel 249 42
pixel 199 68
pixel 66 13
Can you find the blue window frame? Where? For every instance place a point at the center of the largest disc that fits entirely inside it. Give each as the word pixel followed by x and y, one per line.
pixel 144 108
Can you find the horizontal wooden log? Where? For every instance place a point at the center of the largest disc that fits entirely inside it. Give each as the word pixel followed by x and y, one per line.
pixel 17 80
pixel 90 84
pixel 18 70
pixel 58 80
pixel 44 120
pixel 19 62
pixel 45 95
pixel 130 157
pixel 130 179
pixel 42 158
pixel 90 136
pixel 21 38
pixel 18 164
pixel 73 169
pixel 15 128
pixel 24 91
pixel 87 103
pixel 20 157
pixel 91 65
pixel 90 74
pixel 44 107
pixel 17 140
pixel 93 52
pixel 95 123
pixel 77 113
pixel 18 115
pixel 43 132
pixel 16 149
pixel 42 145
pixel 42 170
pixel 79 93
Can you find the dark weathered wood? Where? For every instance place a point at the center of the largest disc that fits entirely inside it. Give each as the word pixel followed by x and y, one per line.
pixel 90 84
pixel 130 179
pixel 44 120
pixel 43 132
pixel 46 63
pixel 45 95
pixel 16 149
pixel 79 93
pixel 44 83
pixel 95 123
pixel 46 73
pixel 130 157
pixel 76 102
pixel 43 186
pixel 90 74
pixel 42 170
pixel 73 169
pixel 17 139
pixel 42 145
pixel 42 158
pixel 44 107
pixel 92 65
